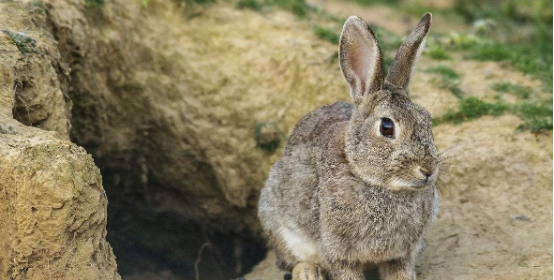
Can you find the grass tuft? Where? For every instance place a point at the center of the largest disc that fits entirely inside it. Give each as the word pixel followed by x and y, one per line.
pixel 298 7
pixel 537 117
pixel 326 34
pixel 517 90
pixel 438 53
pixel 94 3
pixel 472 108
pixel 249 4
pixel 444 71
pixel 449 79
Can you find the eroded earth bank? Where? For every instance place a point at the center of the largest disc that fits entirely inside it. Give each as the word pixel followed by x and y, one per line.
pixel 153 126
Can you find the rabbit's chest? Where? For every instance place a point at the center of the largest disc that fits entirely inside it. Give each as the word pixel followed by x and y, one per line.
pixel 389 227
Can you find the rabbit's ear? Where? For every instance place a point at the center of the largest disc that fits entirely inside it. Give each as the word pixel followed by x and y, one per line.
pixel 360 59
pixel 404 62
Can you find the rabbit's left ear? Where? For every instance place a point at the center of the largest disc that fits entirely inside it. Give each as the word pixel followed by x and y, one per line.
pixel 404 62
pixel 360 59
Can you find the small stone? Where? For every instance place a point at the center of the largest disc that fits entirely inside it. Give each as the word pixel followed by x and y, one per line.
pixel 7 129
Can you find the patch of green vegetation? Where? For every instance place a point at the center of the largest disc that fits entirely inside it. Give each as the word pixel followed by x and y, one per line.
pixel 268 136
pixel 37 7
pixel 25 44
pixel 444 71
pixel 298 7
pixel 517 90
pixel 491 51
pixel 449 79
pixel 438 53
pixel 326 34
pixel 249 4
pixel 472 108
pixel 373 2
pixel 537 117
pixel 94 3
pixel 518 31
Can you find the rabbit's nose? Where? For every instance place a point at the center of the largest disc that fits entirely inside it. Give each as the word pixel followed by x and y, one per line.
pixel 425 172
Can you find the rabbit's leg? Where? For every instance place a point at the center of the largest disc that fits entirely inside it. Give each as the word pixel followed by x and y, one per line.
pixel 400 269
pixel 307 271
pixel 285 260
pixel 346 271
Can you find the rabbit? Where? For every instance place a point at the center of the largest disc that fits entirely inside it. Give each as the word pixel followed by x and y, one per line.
pixel 356 183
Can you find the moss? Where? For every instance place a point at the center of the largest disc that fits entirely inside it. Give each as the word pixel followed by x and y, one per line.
pixel 25 44
pixel 517 90
pixel 268 136
pixel 37 7
pixel 326 34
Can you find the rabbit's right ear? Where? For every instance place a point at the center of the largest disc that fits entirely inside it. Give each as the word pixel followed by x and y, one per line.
pixel 360 59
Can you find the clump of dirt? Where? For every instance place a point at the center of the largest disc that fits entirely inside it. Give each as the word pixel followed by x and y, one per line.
pixel 52 203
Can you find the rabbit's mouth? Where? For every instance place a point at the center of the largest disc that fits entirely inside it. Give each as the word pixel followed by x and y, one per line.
pixel 402 184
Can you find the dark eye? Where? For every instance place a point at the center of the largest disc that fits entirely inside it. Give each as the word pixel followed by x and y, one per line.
pixel 387 128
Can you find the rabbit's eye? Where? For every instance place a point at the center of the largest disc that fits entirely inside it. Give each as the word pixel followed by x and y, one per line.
pixel 387 128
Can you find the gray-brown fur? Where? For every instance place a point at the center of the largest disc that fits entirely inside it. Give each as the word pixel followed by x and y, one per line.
pixel 343 195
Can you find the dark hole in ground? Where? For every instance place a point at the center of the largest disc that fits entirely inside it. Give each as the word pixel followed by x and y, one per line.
pixel 147 240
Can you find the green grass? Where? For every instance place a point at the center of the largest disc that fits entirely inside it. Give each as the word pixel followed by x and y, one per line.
pixel 94 3
pixel 444 71
pixel 326 34
pixel 536 117
pixel 520 33
pixel 491 51
pixel 472 108
pixel 449 79
pixel 438 53
pixel 517 90
pixel 373 2
pixel 298 7
pixel 249 4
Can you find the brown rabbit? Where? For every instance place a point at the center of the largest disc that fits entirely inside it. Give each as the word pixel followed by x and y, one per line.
pixel 356 183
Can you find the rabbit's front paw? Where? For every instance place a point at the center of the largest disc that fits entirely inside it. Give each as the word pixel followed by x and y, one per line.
pixel 307 271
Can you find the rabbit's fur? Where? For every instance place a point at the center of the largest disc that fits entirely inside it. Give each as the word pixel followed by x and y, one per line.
pixel 343 195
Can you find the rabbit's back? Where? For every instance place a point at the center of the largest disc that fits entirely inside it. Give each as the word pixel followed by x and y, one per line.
pixel 289 197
